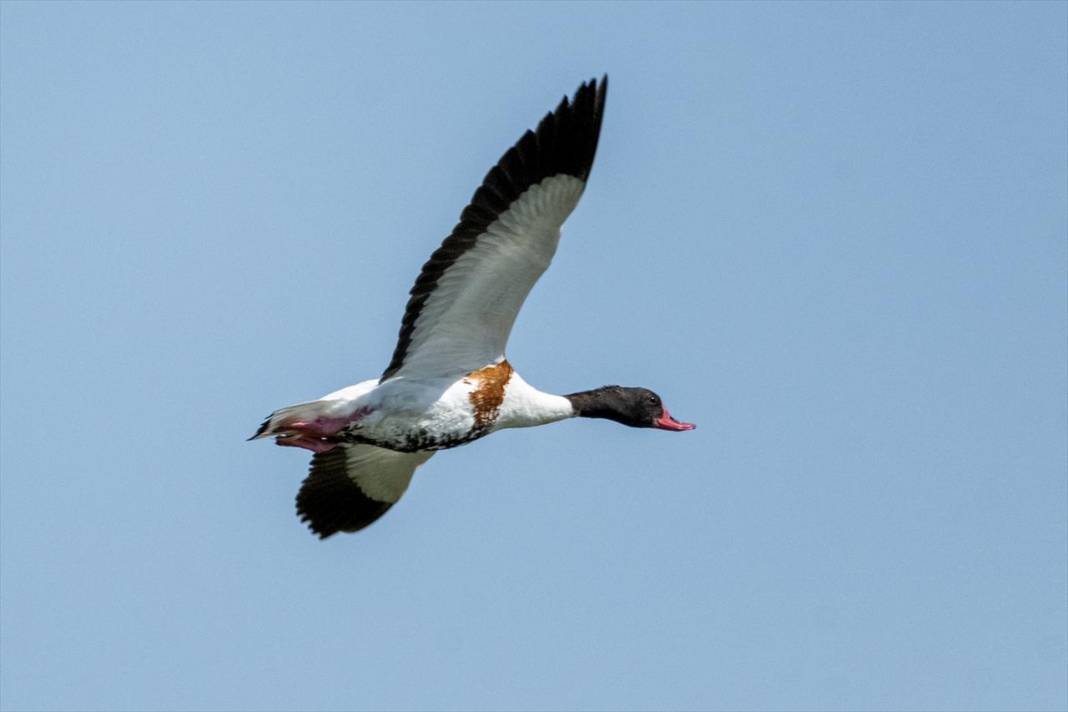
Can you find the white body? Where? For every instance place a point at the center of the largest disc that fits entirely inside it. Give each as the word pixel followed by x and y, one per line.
pixel 396 412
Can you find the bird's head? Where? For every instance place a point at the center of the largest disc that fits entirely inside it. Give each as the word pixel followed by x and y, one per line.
pixel 636 407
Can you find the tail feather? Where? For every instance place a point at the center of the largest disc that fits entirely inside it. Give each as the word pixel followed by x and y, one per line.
pixel 276 422
pixel 261 432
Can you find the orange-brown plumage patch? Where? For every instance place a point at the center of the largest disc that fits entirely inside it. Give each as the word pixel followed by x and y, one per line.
pixel 489 392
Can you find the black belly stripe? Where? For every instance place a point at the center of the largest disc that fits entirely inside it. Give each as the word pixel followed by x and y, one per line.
pixel 416 442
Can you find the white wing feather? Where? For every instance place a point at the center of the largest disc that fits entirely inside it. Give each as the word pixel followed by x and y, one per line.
pixel 466 321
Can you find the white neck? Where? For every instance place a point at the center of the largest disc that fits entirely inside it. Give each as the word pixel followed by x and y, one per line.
pixel 525 406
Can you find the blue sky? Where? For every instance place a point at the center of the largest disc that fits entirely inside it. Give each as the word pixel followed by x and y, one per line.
pixel 833 235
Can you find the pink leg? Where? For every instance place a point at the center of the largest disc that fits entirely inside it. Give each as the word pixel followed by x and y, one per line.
pixel 315 434
pixel 323 427
pixel 306 442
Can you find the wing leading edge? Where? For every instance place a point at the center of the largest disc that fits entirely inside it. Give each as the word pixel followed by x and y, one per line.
pixel 466 298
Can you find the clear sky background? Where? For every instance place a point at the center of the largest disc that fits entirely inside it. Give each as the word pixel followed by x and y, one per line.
pixel 833 235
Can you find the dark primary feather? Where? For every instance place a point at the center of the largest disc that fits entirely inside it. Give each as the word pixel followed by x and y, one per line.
pixel 330 502
pixel 564 143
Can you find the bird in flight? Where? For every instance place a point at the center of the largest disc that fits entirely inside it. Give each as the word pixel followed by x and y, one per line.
pixel 449 383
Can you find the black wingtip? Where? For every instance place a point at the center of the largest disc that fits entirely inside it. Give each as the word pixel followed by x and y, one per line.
pixel 319 531
pixel 564 143
pixel 329 501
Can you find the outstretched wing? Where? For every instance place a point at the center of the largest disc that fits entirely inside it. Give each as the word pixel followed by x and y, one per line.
pixel 465 300
pixel 351 486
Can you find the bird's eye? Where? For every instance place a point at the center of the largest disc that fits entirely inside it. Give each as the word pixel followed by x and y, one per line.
pixel 652 399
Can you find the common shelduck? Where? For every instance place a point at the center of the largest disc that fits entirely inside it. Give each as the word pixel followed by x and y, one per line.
pixel 449 382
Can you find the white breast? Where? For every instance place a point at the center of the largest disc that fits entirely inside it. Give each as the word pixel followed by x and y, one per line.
pixel 525 406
